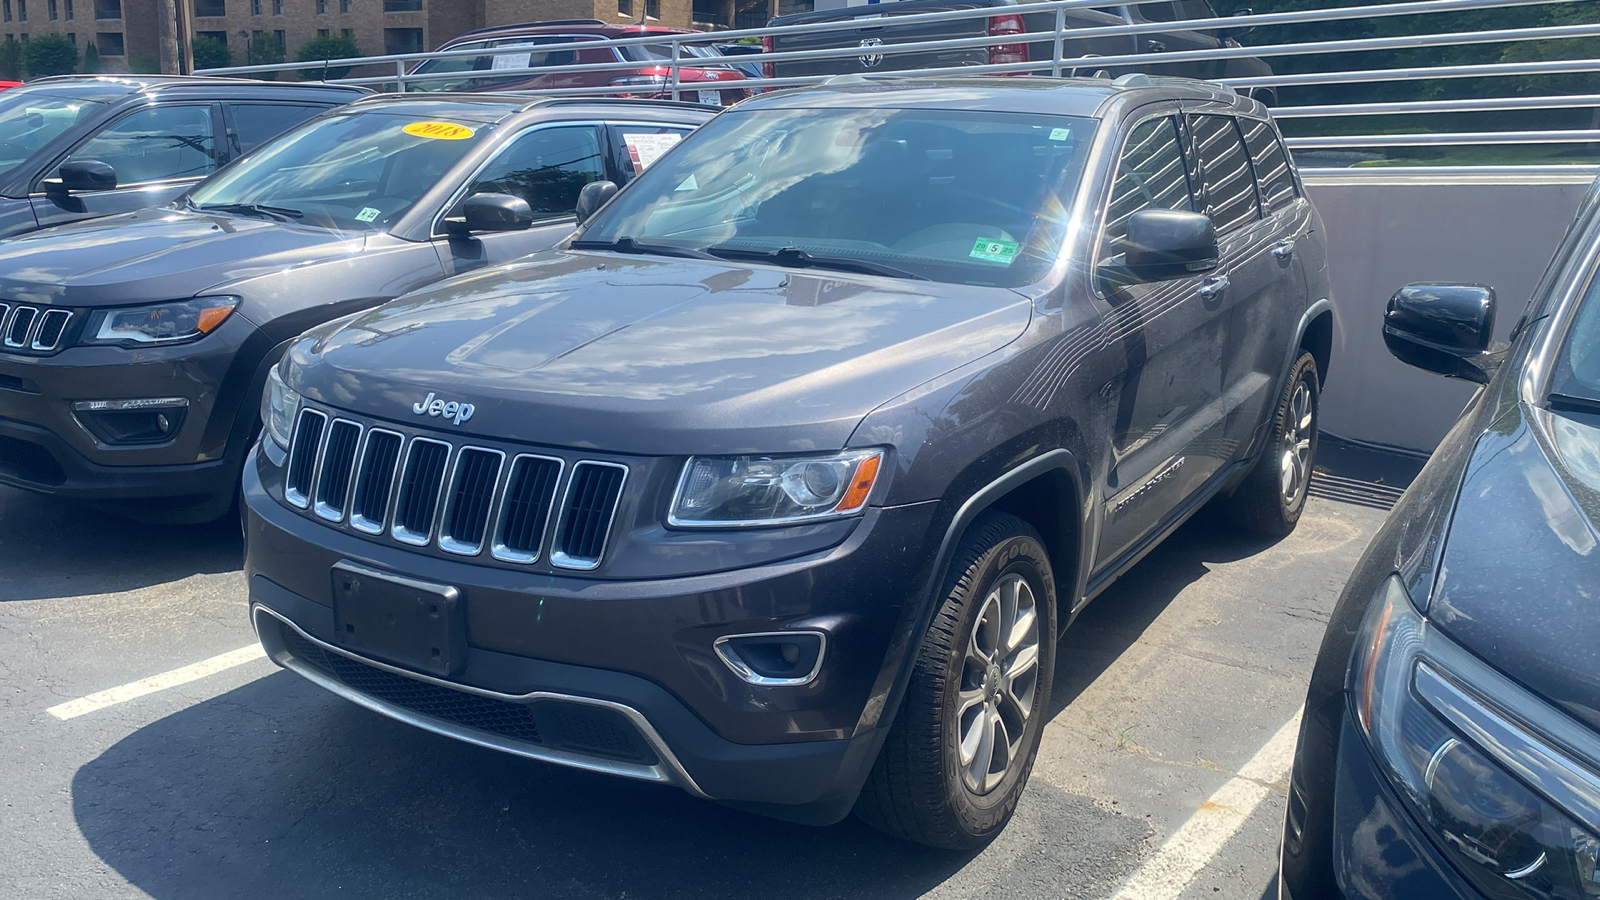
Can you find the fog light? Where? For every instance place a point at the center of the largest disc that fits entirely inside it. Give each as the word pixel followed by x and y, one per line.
pixel 774 659
pixel 152 420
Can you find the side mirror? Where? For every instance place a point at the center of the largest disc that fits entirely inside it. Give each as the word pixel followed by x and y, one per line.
pixel 593 196
pixel 1226 33
pixel 1443 328
pixel 1167 243
pixel 491 212
pixel 82 176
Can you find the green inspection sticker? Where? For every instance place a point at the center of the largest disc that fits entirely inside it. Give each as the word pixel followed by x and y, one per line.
pixel 993 250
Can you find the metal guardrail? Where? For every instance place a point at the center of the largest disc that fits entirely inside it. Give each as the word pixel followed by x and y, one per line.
pixel 1060 62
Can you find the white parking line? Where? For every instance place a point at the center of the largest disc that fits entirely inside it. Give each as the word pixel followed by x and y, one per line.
pixel 134 689
pixel 1200 839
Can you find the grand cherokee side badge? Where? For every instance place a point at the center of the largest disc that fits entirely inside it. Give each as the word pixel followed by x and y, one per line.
pixel 455 412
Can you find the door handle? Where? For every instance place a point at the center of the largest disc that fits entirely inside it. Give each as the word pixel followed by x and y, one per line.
pixel 1213 287
pixel 1155 46
pixel 1283 249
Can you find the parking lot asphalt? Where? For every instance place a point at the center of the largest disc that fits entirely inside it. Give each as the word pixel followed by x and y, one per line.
pixel 1159 774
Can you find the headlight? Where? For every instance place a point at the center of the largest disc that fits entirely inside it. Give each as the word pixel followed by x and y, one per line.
pixel 159 323
pixel 739 491
pixel 278 407
pixel 1477 758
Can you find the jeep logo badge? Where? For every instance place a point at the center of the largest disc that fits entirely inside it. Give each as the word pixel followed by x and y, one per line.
pixel 870 60
pixel 453 411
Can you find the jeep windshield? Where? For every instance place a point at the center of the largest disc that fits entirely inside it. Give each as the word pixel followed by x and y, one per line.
pixel 356 172
pixel 975 198
pixel 31 119
pixel 1575 384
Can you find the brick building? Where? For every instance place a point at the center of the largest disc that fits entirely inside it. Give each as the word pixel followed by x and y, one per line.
pixel 137 34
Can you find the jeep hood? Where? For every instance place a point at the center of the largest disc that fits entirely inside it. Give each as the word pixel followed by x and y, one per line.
pixel 1520 583
pixel 654 355
pixel 156 254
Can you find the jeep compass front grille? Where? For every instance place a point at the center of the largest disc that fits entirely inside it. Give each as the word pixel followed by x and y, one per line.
pixel 32 328
pixel 464 500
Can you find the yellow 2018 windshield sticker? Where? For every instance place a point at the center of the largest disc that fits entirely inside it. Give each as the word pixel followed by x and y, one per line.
pixel 443 131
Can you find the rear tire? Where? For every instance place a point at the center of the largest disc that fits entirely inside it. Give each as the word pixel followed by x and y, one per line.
pixel 959 753
pixel 1273 495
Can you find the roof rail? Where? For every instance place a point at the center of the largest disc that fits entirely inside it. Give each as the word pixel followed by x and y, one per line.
pixel 530 25
pixel 1141 79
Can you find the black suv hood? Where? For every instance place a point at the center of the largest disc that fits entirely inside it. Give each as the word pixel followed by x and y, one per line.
pixel 1520 580
pixel 654 355
pixel 156 254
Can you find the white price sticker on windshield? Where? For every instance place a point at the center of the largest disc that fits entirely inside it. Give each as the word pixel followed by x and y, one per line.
pixel 367 214
pixel 645 149
pixel 1059 134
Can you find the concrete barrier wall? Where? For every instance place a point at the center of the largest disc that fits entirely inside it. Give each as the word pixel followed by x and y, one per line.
pixel 1388 227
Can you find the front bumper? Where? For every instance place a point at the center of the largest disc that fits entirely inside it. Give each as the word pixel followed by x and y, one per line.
pixel 639 652
pixel 1379 851
pixel 44 447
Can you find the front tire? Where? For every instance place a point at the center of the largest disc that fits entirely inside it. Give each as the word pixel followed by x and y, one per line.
pixel 1273 495
pixel 959 753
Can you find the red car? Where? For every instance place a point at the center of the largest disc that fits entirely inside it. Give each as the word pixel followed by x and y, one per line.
pixel 511 49
pixel 9 84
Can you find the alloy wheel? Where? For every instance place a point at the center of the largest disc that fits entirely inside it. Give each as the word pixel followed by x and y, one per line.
pixel 999 681
pixel 1294 464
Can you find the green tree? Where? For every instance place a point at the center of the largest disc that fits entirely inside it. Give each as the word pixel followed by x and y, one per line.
pixel 91 59
pixel 51 54
pixel 210 53
pixel 10 60
pixel 264 50
pixel 324 48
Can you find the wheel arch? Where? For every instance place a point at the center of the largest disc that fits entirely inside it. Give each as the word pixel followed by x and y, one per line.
pixel 1045 491
pixel 1316 337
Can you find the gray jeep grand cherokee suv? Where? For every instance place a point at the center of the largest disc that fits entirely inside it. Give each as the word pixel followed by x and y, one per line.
pixel 779 481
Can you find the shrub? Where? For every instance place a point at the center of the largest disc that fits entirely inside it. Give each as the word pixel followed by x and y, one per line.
pixel 11 60
pixel 325 48
pixel 51 54
pixel 210 53
pixel 91 59
pixel 264 51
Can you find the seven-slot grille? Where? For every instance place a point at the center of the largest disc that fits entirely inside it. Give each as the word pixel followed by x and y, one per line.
pixel 37 328
pixel 464 499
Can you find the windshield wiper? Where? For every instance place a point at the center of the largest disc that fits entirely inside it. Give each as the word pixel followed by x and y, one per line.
pixel 281 213
pixel 795 258
pixel 629 245
pixel 1573 403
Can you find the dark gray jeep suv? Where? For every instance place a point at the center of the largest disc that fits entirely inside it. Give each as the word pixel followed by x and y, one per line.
pixel 779 481
pixel 80 147
pixel 134 349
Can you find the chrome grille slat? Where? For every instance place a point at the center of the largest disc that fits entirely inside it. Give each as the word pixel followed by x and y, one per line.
pixel 469 500
pixel 379 467
pixel 416 504
pixel 587 509
pixel 304 449
pixel 20 328
pixel 525 508
pixel 459 498
pixel 52 326
pixel 334 469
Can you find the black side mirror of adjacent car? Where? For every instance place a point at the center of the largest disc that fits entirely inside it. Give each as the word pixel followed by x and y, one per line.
pixel 491 212
pixel 1443 328
pixel 593 196
pixel 82 176
pixel 1169 243
pixel 1226 33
